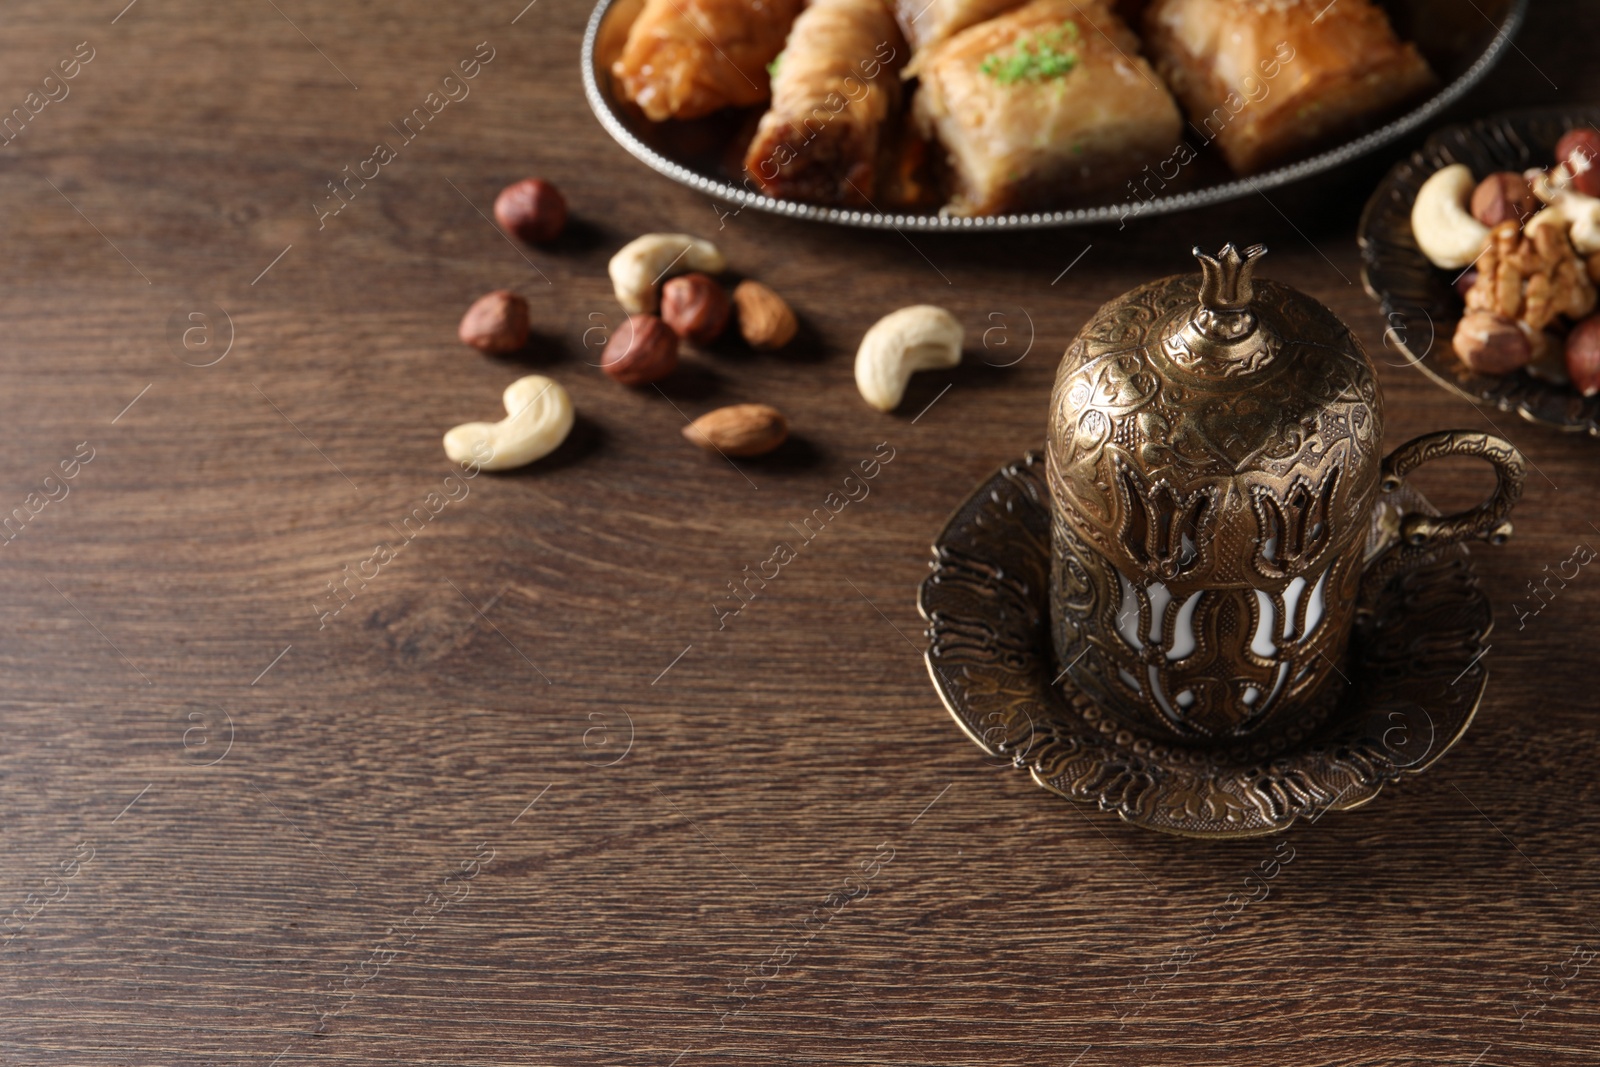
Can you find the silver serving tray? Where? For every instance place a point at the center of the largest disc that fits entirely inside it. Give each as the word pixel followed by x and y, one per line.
pixel 687 152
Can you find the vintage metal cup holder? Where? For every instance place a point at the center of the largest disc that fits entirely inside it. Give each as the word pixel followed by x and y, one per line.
pixel 1214 605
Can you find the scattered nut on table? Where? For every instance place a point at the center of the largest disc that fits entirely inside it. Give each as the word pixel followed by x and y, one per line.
pixel 639 267
pixel 765 321
pixel 496 322
pixel 1583 356
pixel 532 209
pixel 640 351
pixel 538 418
pixel 696 307
pixel 921 337
pixel 1445 230
pixel 1501 197
pixel 739 430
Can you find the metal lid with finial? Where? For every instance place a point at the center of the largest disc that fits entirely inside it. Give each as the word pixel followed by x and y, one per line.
pixel 1216 428
pixel 1224 336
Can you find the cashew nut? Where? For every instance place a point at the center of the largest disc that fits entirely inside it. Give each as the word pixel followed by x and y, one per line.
pixel 921 337
pixel 1584 214
pixel 1578 213
pixel 638 269
pixel 1445 230
pixel 1546 185
pixel 539 417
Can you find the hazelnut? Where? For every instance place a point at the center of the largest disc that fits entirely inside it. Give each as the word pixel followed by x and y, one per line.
pixel 496 322
pixel 1490 344
pixel 739 430
pixel 642 350
pixel 531 209
pixel 1503 197
pixel 1583 356
pixel 1579 149
pixel 696 307
pixel 764 319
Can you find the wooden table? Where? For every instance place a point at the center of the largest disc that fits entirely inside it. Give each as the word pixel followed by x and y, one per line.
pixel 522 800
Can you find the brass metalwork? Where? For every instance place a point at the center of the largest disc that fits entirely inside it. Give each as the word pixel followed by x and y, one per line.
pixel 1416 535
pixel 1212 463
pixel 1415 660
pixel 1224 338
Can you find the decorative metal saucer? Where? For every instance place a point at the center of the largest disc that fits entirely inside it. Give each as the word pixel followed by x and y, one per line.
pixel 1415 676
pixel 1418 300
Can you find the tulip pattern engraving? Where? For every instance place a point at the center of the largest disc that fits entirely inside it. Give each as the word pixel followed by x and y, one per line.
pixel 1001 595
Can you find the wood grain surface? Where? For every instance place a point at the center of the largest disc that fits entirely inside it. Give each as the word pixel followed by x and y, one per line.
pixel 522 801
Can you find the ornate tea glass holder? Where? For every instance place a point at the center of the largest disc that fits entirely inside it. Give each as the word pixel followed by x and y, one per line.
pixel 1222 541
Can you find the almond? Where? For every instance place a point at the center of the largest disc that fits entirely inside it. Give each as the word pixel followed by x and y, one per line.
pixel 764 319
pixel 739 430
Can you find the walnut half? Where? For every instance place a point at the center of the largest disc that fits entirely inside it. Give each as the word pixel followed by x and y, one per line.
pixel 1531 276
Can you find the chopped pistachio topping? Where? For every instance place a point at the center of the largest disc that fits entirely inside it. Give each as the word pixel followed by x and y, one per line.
pixel 772 68
pixel 1035 56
